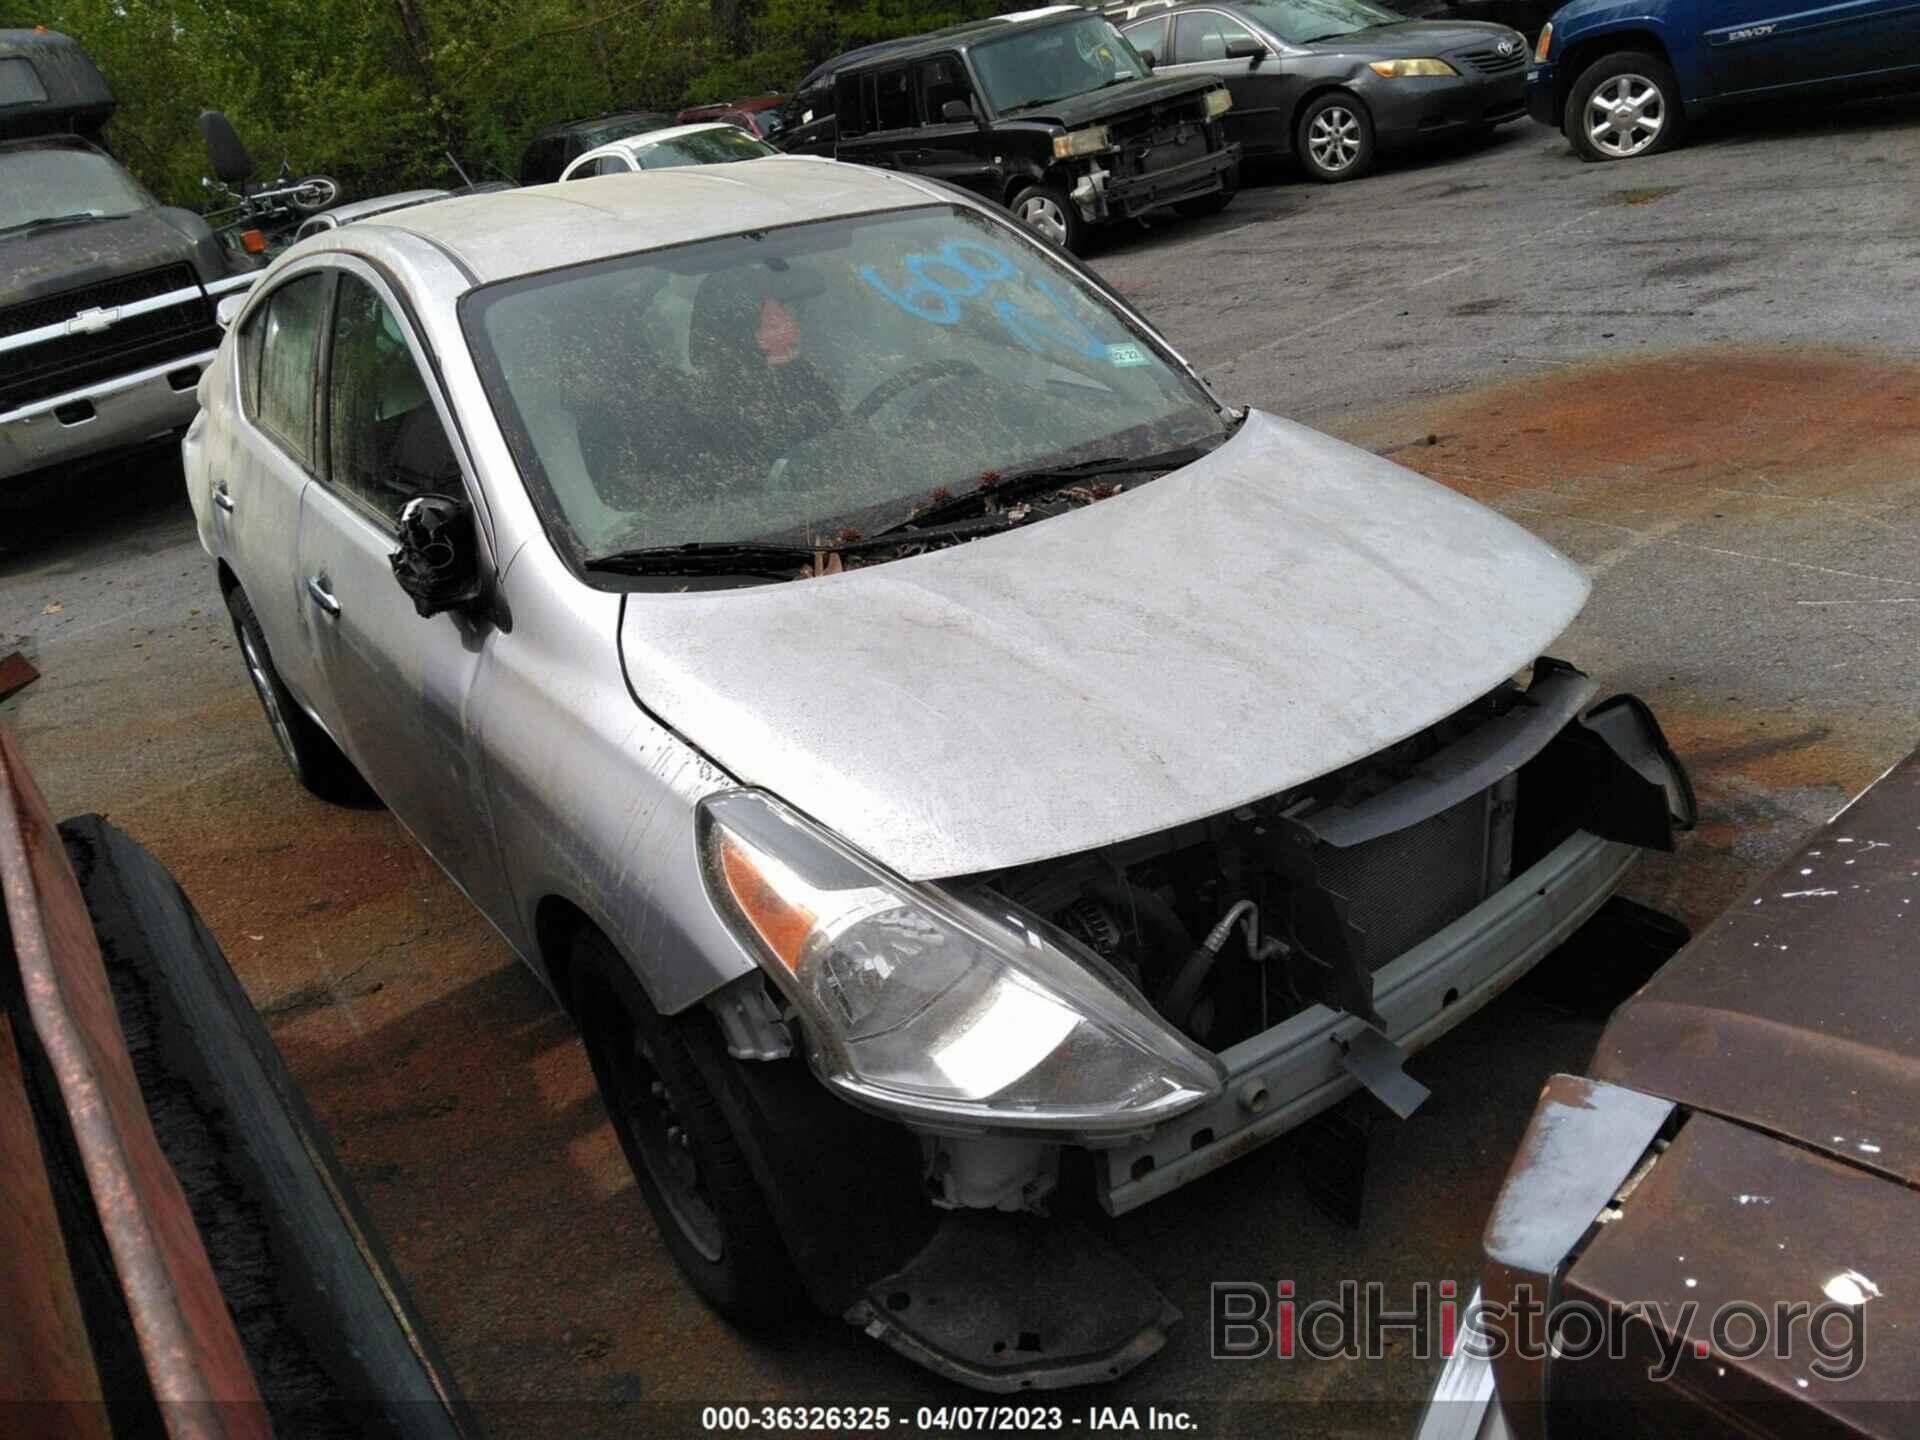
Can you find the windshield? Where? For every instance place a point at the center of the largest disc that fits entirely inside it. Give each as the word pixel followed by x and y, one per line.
pixel 64 182
pixel 796 383
pixel 1300 21
pixel 621 127
pixel 709 147
pixel 1057 62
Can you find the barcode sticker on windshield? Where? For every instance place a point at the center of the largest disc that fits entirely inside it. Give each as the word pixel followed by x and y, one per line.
pixel 1126 355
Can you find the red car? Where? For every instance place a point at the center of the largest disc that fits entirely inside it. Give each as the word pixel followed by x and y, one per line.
pixel 759 117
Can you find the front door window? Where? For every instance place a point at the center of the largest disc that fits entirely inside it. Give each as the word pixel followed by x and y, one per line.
pixel 385 440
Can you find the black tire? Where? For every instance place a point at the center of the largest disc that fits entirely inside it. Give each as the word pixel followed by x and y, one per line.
pixel 312 194
pixel 689 1165
pixel 1623 69
pixel 1334 138
pixel 1213 204
pixel 1046 210
pixel 315 760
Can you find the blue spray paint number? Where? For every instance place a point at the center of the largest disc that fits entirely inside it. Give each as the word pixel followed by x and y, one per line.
pixel 930 297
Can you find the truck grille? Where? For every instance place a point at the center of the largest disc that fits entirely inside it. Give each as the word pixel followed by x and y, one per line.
pixel 1168 138
pixel 1401 888
pixel 71 362
pixel 1492 62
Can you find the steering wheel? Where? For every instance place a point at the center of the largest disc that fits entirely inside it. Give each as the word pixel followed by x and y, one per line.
pixel 894 386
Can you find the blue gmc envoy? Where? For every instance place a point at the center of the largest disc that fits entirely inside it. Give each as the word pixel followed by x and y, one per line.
pixel 1622 77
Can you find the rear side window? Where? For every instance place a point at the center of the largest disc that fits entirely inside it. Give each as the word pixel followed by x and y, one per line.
pixel 289 350
pixel 893 107
pixel 385 440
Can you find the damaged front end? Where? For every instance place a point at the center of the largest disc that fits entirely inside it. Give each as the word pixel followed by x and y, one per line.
pixel 1107 1026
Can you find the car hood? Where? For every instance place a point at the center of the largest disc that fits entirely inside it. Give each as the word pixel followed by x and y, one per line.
pixel 1414 39
pixel 1097 105
pixel 1274 611
pixel 47 261
pixel 1798 1011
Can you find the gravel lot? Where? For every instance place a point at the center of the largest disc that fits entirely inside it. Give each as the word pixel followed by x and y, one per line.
pixel 1698 375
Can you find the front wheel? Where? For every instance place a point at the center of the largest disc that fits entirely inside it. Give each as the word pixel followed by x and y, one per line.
pixel 313 194
pixel 689 1165
pixel 1046 210
pixel 1623 106
pixel 1335 138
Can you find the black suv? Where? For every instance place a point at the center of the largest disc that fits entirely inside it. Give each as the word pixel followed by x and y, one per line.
pixel 1056 117
pixel 558 146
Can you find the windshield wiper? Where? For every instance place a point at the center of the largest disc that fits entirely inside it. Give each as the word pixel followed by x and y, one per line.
pixel 1045 477
pixel 708 557
pixel 72 217
pixel 763 557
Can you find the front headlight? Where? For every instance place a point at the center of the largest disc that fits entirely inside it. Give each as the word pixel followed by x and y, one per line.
pixel 1218 102
pixel 1546 43
pixel 1089 141
pixel 1408 69
pixel 920 1004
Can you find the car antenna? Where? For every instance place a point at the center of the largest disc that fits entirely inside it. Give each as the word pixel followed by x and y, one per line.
pixel 465 179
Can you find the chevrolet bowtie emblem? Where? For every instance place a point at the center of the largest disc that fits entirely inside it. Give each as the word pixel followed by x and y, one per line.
pixel 92 322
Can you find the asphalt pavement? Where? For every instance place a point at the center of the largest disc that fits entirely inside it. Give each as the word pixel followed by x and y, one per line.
pixel 1699 375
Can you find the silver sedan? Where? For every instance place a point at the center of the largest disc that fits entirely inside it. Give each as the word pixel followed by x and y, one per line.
pixel 951 763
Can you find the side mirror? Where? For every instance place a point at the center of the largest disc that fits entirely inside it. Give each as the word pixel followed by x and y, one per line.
pixel 438 562
pixel 1246 48
pixel 225 153
pixel 228 310
pixel 955 112
pixel 1149 59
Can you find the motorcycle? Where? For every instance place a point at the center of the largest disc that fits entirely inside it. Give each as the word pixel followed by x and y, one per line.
pixel 255 221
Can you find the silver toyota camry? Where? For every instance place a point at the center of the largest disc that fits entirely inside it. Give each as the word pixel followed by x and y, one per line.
pixel 956 768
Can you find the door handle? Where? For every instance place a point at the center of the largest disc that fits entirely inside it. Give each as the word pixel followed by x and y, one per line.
pixel 323 597
pixel 221 498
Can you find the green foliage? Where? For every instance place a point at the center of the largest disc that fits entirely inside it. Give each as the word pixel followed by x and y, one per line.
pixel 378 92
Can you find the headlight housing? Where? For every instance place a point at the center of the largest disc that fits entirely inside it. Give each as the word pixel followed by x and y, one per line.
pixel 936 1010
pixel 1410 69
pixel 1218 101
pixel 1088 141
pixel 1546 43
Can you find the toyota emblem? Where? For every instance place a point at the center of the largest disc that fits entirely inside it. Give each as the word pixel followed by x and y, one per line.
pixel 1508 47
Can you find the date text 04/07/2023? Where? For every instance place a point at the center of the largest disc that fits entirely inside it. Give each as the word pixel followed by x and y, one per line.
pixel 979 1419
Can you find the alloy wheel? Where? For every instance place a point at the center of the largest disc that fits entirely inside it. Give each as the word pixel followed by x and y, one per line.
pixel 1333 138
pixel 1625 115
pixel 1042 214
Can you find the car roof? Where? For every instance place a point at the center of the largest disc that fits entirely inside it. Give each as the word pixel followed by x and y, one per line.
pixel 378 204
pixel 946 38
pixel 672 132
pixel 590 122
pixel 543 227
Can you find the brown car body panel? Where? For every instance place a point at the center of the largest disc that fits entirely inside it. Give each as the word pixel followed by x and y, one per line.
pixel 1731 1217
pixel 193 1356
pixel 1798 1011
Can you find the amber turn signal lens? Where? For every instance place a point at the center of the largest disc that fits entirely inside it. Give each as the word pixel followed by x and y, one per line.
pixel 253 242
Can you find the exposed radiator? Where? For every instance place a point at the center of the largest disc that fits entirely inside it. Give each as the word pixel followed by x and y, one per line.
pixel 1402 887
